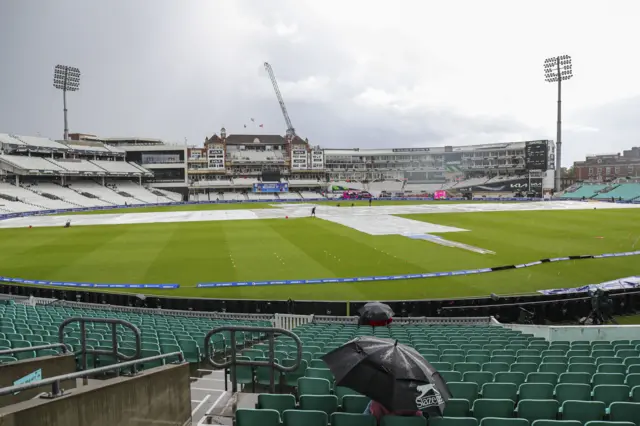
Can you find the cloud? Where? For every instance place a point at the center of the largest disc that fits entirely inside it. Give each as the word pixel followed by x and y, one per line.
pixel 353 74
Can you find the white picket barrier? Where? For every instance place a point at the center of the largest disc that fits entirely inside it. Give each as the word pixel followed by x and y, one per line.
pixel 291 321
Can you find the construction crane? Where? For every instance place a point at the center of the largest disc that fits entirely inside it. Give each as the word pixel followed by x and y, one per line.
pixel 291 132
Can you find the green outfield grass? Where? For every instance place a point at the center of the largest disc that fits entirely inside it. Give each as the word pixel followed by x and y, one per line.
pixel 277 249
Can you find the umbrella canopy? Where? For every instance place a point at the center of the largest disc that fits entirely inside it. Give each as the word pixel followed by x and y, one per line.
pixel 375 312
pixel 393 374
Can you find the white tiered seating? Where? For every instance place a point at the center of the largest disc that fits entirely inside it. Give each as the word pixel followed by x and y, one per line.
pixel 215 182
pixel 234 196
pixel 257 156
pixel 10 140
pixel 388 186
pixel 172 196
pixel 140 192
pixel 310 195
pixel 75 165
pixel 18 207
pixel 423 187
pixel 34 164
pixel 29 197
pixel 471 182
pixel 351 185
pixel 267 196
pixel 41 143
pixel 101 192
pixel 289 196
pixel 70 195
pixel 117 167
pixel 304 182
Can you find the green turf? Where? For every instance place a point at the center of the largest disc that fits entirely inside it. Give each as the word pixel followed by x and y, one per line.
pixel 276 249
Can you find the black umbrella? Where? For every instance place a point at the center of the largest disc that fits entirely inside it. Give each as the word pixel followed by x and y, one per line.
pixel 388 372
pixel 375 312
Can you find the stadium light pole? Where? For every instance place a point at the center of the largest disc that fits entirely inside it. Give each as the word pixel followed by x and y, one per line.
pixel 557 69
pixel 67 79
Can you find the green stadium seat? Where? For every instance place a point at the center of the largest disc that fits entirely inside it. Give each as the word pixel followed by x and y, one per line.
pixel 478 377
pixel 611 393
pixel 457 407
pixel 525 368
pixel 583 378
pixel 529 359
pixel 4 359
pixel 304 418
pixel 452 359
pixel 251 417
pixel 632 361
pixel 556 423
pixel 583 411
pixel 277 402
pixel 500 391
pixel 612 368
pixel 497 421
pixel 582 368
pixel 551 378
pixel 552 367
pixel 313 386
pixel 537 409
pixel 514 377
pixel 354 403
pixel 573 392
pixel 607 379
pixel 325 403
pixel 320 373
pixel 536 391
pixel 291 379
pixel 625 412
pixel 351 419
pixel 451 376
pixel 317 363
pixel 608 423
pixel 441 366
pixel 480 359
pixel 508 359
pixel 464 390
pixel 464 367
pixel 632 380
pixel 403 421
pixel 495 367
pixel 452 421
pixel 493 408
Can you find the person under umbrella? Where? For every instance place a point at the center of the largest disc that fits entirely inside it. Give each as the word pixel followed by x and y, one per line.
pixel 376 314
pixel 390 373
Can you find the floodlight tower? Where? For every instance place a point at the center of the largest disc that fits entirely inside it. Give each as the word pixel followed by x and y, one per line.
pixel 557 69
pixel 67 79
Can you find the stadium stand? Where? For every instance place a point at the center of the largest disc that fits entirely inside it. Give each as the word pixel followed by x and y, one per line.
pixel 234 196
pixel 140 193
pixel 68 195
pixel 78 166
pixel 102 193
pixel 585 190
pixel 119 167
pixel 29 196
pixel 33 164
pixel 41 144
pixel 307 195
pixel 624 191
pixel 293 196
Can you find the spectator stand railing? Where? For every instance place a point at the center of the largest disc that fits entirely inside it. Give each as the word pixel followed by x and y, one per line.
pixel 232 362
pixel 118 356
pixel 55 382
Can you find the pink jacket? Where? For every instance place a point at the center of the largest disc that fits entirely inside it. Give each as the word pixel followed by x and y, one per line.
pixel 378 411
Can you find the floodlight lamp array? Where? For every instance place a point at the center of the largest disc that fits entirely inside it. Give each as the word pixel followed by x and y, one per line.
pixel 66 78
pixel 558 68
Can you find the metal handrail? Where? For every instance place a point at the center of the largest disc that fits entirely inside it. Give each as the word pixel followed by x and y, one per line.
pixel 36 348
pixel 114 339
pixel 55 381
pixel 233 362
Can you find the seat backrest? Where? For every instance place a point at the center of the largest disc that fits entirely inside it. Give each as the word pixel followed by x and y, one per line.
pixel 500 391
pixel 625 412
pixel 572 392
pixel 354 403
pixel 403 421
pixel 250 417
pixel 497 421
pixel 453 421
pixel 536 391
pixel 325 403
pixel 611 393
pixel 464 390
pixel 277 402
pixel 351 419
pixel 583 411
pixel 304 417
pixel 538 409
pixel 493 408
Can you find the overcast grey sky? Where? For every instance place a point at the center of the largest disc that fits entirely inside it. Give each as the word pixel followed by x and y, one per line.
pixel 353 73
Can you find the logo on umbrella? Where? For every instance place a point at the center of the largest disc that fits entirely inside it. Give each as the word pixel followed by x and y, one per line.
pixel 425 401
